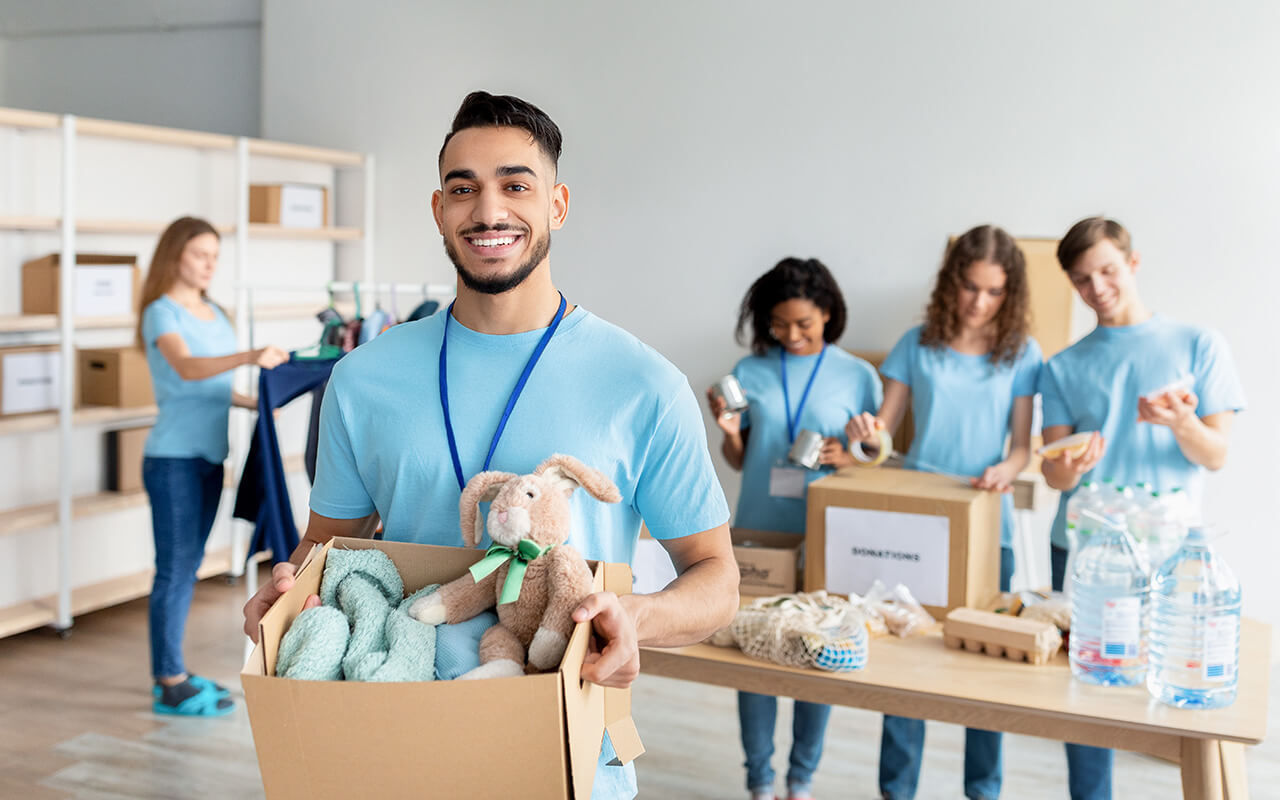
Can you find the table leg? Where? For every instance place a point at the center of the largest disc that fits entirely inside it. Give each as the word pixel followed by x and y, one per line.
pixel 1235 780
pixel 1201 769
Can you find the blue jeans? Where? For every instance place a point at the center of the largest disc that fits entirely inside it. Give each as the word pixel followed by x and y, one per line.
pixel 1088 768
pixel 184 494
pixel 902 744
pixel 758 715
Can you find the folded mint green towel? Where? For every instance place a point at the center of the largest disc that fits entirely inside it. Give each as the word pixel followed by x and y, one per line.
pixel 312 648
pixel 411 648
pixel 364 584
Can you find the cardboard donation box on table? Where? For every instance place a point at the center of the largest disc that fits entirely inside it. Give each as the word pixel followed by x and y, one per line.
pixel 30 379
pixel 768 561
pixel 105 285
pixel 117 376
pixel 535 736
pixel 939 538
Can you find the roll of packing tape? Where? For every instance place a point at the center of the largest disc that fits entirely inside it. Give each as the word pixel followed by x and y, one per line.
pixel 864 459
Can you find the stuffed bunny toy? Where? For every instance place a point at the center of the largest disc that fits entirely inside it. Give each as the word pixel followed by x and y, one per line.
pixel 535 579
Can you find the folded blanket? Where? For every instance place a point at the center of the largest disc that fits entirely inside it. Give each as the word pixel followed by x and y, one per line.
pixel 458 645
pixel 357 627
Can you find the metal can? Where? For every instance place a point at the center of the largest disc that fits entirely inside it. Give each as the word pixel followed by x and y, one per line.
pixel 806 450
pixel 730 391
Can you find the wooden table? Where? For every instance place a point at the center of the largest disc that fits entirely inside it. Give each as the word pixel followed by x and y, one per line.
pixel 922 678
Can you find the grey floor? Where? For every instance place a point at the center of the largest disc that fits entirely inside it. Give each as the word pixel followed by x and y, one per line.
pixel 73 723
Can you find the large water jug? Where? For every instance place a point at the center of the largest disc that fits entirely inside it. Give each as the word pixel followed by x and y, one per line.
pixel 1109 605
pixel 1195 627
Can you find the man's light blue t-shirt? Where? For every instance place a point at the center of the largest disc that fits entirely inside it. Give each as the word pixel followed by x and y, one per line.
pixel 1094 385
pixel 845 385
pixel 597 393
pixel 962 405
pixel 192 420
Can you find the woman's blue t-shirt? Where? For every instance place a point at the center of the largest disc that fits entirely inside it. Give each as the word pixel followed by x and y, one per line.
pixel 962 406
pixel 845 386
pixel 193 414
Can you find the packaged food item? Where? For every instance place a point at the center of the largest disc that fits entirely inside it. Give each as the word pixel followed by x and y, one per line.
pixel 902 615
pixel 1176 388
pixel 1075 444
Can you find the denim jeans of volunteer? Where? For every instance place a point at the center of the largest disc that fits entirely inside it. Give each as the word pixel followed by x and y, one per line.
pixel 1088 768
pixel 758 715
pixel 184 494
pixel 902 744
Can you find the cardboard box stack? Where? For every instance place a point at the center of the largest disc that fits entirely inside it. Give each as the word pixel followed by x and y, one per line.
pixel 939 538
pixel 116 376
pixel 536 736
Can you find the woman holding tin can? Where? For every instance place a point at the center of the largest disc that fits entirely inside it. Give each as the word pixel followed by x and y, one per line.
pixel 969 373
pixel 799 393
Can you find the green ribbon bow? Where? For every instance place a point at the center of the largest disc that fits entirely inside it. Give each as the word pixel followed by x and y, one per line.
pixel 497 555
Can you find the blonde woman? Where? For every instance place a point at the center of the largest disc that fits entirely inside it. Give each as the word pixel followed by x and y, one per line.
pixel 191 351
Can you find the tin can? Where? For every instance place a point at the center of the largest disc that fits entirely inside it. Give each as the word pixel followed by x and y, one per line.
pixel 806 450
pixel 729 390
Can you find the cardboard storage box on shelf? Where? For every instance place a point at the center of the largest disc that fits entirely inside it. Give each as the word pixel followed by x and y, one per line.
pixel 124 458
pixel 116 376
pixel 289 205
pixel 536 736
pixel 30 379
pixel 939 538
pixel 768 561
pixel 105 285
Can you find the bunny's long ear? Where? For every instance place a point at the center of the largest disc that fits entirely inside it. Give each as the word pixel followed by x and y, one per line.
pixel 480 489
pixel 568 473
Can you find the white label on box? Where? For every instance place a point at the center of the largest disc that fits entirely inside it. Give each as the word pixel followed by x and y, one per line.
pixel 1121 627
pixel 31 382
pixel 301 206
pixel 104 290
pixel 1221 647
pixel 895 547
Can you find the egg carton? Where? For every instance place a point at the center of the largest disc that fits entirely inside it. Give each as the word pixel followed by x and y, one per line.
pixel 1001 635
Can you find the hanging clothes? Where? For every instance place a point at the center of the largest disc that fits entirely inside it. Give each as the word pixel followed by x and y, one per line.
pixel 263 494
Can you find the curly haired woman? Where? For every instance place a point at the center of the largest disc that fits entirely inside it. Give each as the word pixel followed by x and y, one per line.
pixel 970 375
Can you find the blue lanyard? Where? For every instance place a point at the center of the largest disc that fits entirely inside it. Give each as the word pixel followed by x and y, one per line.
pixel 511 402
pixel 792 422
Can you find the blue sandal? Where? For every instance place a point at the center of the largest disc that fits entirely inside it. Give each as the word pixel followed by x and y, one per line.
pixel 198 682
pixel 204 703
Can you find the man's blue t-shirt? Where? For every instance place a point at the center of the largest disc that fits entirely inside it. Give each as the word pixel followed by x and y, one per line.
pixel 1094 385
pixel 844 386
pixel 962 405
pixel 192 420
pixel 597 394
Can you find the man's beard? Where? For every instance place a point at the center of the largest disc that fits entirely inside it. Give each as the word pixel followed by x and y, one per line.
pixel 500 283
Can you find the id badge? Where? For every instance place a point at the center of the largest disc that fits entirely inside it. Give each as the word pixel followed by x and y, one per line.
pixel 787 481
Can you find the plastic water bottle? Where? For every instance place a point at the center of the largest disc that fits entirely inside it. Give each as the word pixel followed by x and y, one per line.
pixel 1164 527
pixel 1195 628
pixel 1087 496
pixel 1109 604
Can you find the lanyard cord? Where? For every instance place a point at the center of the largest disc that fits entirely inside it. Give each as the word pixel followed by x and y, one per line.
pixel 511 402
pixel 804 398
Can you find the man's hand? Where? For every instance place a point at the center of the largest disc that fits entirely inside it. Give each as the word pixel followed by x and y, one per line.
pixel 1173 410
pixel 281 581
pixel 1079 465
pixel 617 663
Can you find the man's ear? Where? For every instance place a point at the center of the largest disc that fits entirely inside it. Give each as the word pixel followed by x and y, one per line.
pixel 559 205
pixel 1135 261
pixel 437 209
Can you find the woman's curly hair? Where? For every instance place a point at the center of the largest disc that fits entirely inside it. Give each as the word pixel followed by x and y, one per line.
pixel 942 317
pixel 791 278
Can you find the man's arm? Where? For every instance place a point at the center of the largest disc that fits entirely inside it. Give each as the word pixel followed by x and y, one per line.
pixel 319 530
pixel 700 601
pixel 1202 440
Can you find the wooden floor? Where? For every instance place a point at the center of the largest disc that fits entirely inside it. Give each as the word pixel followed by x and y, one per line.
pixel 75 723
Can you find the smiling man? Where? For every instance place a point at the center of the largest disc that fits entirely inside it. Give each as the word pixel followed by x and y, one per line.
pixel 508 375
pixel 1114 381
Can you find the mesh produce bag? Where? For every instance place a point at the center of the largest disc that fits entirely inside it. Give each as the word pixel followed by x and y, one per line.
pixel 807 629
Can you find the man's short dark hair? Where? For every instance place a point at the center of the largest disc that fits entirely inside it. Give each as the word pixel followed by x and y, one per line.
pixel 1088 232
pixel 484 110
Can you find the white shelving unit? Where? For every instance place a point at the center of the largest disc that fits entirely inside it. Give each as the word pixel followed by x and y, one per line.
pixel 345 172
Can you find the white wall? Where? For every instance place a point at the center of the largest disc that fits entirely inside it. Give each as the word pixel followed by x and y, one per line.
pixel 703 141
pixel 205 79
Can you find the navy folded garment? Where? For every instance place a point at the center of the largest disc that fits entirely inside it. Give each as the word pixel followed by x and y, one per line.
pixel 263 495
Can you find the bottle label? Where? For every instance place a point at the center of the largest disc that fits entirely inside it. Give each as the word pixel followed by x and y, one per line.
pixel 1121 627
pixel 1221 643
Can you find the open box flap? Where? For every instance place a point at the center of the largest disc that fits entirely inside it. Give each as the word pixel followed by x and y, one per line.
pixel 278 619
